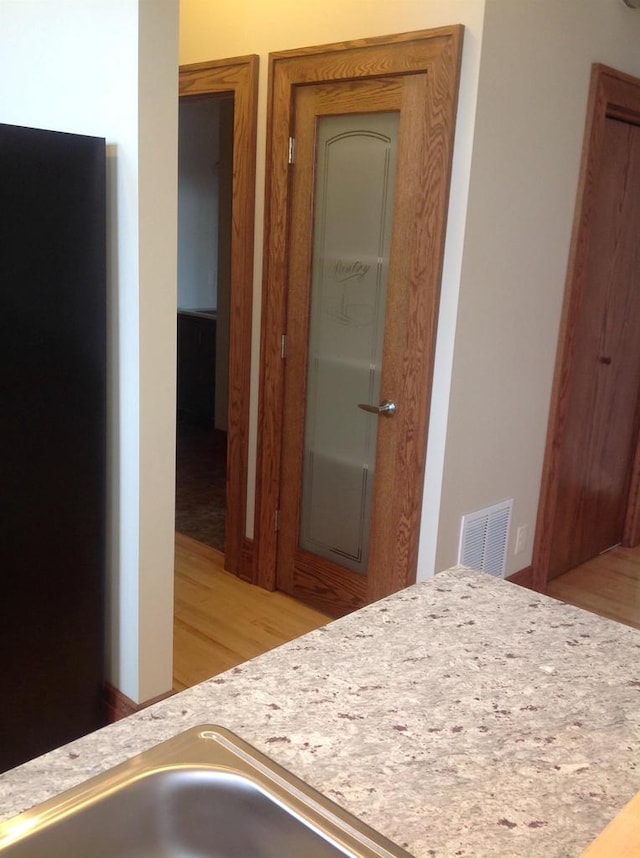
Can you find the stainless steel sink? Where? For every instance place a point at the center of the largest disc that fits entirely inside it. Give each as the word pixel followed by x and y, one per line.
pixel 203 794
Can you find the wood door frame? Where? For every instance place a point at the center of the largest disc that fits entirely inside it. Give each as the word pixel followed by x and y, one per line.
pixel 237 76
pixel 437 52
pixel 612 95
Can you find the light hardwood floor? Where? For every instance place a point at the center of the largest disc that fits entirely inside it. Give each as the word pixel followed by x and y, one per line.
pixel 608 585
pixel 221 621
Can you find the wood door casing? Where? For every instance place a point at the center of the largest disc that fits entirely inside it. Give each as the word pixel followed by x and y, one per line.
pixel 237 76
pixel 591 474
pixel 436 55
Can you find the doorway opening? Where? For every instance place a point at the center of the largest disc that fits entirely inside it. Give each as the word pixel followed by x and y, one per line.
pixel 205 169
pixel 220 97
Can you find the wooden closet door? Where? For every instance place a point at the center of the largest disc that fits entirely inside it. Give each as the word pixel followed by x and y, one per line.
pixel 603 390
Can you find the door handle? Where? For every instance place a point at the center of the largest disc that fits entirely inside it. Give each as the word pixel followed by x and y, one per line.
pixel 385 409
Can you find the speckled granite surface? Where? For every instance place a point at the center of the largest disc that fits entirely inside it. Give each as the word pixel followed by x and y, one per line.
pixel 464 716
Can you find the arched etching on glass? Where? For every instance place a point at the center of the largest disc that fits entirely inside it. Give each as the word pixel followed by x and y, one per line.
pixel 355 175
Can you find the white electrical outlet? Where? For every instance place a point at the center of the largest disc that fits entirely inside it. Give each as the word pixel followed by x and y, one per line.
pixel 522 535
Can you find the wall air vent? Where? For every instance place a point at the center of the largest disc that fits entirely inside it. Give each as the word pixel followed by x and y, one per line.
pixel 484 537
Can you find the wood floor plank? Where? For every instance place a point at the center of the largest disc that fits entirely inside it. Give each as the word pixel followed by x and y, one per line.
pixel 221 621
pixel 608 585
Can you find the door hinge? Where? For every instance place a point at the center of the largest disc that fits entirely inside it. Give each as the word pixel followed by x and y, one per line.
pixel 292 150
pixel 283 346
pixel 276 520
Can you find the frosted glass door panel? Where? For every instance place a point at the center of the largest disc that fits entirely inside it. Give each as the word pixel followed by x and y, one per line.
pixel 355 173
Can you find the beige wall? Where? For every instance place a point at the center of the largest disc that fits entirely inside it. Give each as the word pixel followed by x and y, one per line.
pixel 213 31
pixel 157 265
pixel 534 78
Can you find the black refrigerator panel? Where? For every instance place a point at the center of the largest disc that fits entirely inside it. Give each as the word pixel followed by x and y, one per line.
pixel 52 436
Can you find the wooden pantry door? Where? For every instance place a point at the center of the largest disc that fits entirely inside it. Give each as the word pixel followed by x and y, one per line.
pixel 366 192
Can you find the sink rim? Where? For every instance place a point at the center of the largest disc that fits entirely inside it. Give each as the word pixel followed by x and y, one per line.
pixel 212 747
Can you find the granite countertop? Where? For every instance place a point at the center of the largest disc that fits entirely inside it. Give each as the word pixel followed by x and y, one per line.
pixel 464 716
